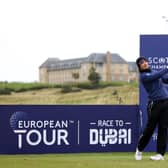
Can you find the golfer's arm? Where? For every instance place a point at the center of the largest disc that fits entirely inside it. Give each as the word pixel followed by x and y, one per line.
pixel 148 77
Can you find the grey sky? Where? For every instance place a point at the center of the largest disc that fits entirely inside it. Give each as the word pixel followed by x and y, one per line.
pixel 33 30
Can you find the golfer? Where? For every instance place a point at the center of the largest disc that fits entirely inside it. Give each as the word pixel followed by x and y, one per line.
pixel 157 108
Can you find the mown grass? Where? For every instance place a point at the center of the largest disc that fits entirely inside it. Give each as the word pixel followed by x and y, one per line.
pixel 106 93
pixel 92 160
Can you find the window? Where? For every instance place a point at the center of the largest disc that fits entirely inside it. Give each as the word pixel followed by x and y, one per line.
pixel 112 69
pixel 121 70
pixel 99 65
pixel 121 77
pixel 113 77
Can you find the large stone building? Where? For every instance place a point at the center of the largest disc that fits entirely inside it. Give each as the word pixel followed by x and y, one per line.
pixel 110 66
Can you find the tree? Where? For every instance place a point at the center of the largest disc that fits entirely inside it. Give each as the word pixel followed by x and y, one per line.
pixel 94 77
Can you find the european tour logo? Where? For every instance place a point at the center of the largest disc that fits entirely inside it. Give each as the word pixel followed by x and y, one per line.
pixel 35 132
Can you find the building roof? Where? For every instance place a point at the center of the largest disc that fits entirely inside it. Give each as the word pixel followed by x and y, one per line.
pixel 57 64
pixel 49 62
pixel 101 58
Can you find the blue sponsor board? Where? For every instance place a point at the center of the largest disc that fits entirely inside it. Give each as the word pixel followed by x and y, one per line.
pixel 28 129
pixel 154 48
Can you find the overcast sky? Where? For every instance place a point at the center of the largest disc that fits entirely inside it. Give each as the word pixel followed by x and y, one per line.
pixel 33 30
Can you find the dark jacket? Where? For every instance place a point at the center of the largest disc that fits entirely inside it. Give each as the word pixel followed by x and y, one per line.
pixel 154 84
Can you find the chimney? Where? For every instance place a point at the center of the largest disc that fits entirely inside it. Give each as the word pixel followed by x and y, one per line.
pixel 108 67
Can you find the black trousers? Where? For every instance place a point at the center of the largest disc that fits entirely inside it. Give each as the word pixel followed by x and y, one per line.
pixel 157 116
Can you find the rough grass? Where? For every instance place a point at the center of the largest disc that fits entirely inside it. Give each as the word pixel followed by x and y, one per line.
pixel 126 94
pixel 93 160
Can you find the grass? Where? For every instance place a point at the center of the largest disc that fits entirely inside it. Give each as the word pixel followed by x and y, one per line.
pixel 21 87
pixel 126 94
pixel 93 160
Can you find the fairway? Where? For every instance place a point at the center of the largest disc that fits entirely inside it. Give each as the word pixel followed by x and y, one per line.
pixel 93 160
